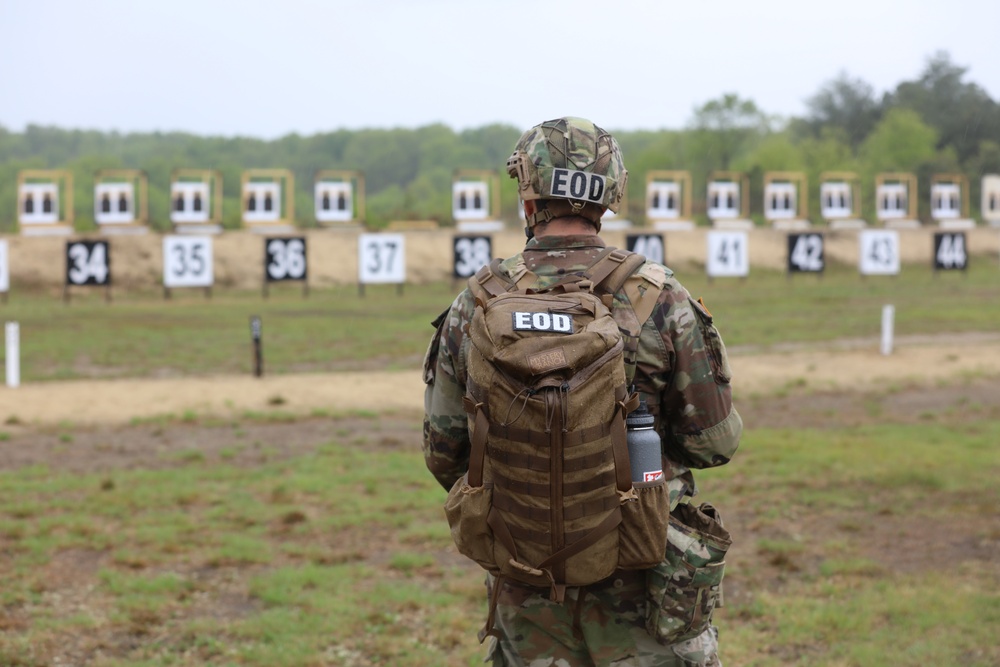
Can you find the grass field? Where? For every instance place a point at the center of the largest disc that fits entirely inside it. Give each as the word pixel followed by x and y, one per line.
pixel 266 540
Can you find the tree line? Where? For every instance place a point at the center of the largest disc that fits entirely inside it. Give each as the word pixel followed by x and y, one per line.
pixel 937 123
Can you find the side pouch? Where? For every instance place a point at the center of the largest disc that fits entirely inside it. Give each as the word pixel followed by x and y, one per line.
pixel 467 509
pixel 643 530
pixel 713 344
pixel 683 590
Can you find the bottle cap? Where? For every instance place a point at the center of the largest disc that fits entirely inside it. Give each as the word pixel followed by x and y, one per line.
pixel 640 417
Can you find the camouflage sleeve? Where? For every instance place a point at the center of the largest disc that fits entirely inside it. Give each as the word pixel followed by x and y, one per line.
pixel 446 434
pixel 682 365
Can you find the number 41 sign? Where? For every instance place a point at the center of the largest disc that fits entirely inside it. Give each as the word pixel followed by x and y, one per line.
pixel 728 254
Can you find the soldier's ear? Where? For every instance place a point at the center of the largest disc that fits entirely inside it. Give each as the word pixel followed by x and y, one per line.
pixel 529 207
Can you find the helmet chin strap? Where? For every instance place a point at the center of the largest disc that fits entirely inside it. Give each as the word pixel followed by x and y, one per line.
pixel 547 210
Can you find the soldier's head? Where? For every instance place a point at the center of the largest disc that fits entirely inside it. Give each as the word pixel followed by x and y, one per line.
pixel 567 167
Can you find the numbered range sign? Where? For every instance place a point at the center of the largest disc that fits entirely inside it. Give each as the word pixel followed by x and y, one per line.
pixel 879 252
pixel 471 253
pixel 728 254
pixel 88 263
pixel 4 267
pixel 949 251
pixel 649 246
pixel 381 258
pixel 187 261
pixel 805 253
pixel 285 259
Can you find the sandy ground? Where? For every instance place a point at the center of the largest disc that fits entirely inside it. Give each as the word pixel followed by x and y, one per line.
pixel 845 366
pixel 137 261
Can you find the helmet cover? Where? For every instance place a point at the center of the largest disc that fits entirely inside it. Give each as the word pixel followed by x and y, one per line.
pixel 569 159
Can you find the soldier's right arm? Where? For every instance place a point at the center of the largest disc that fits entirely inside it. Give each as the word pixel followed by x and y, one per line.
pixel 446 433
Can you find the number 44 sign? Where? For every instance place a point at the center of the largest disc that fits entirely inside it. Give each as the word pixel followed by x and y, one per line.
pixel 949 251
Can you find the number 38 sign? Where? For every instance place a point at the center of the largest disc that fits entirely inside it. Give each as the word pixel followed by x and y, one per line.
pixel 470 254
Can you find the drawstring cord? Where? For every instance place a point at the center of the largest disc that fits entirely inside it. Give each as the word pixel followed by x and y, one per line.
pixel 562 406
pixel 550 413
pixel 528 393
pixel 564 391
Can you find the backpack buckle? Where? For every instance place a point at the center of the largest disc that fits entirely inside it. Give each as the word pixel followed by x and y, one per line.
pixel 525 568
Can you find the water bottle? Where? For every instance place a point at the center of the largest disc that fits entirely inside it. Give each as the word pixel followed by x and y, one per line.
pixel 643 445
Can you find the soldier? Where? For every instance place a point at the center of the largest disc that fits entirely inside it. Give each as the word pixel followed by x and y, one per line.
pixel 680 369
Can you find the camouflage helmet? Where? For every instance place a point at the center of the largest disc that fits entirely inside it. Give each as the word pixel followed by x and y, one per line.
pixel 571 167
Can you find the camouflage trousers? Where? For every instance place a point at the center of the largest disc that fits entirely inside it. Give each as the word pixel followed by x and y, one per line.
pixel 603 625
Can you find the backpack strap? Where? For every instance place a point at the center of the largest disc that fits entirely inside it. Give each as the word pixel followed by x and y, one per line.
pixel 608 262
pixel 490 281
pixel 487 283
pixel 623 276
pixel 476 408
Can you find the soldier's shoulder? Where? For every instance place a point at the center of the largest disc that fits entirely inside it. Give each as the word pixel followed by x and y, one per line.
pixel 512 267
pixel 656 274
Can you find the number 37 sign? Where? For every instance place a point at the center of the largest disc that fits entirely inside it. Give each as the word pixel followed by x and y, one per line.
pixel 381 258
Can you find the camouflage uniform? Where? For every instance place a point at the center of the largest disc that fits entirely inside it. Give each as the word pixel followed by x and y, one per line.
pixel 683 373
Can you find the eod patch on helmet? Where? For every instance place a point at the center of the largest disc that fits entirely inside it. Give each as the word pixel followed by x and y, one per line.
pixel 578 185
pixel 569 166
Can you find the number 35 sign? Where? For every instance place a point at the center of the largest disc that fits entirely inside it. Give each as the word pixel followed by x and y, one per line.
pixel 187 261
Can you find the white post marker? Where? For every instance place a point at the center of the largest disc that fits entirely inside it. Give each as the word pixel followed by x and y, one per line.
pixel 13 338
pixel 4 267
pixel 888 315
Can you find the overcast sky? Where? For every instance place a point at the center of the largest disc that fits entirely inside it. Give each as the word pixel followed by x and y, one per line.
pixel 267 68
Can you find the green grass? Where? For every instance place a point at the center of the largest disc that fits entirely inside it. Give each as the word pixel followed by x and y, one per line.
pixel 336 556
pixel 140 334
pixel 342 556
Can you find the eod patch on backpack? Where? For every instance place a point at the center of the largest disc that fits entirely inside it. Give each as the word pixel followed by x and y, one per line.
pixel 549 499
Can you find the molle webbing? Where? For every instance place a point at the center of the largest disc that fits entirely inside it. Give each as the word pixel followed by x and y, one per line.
pixel 545 536
pixel 542 490
pixel 541 463
pixel 571 513
pixel 541 438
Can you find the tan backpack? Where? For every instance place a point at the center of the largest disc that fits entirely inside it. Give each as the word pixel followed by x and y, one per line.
pixel 549 500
